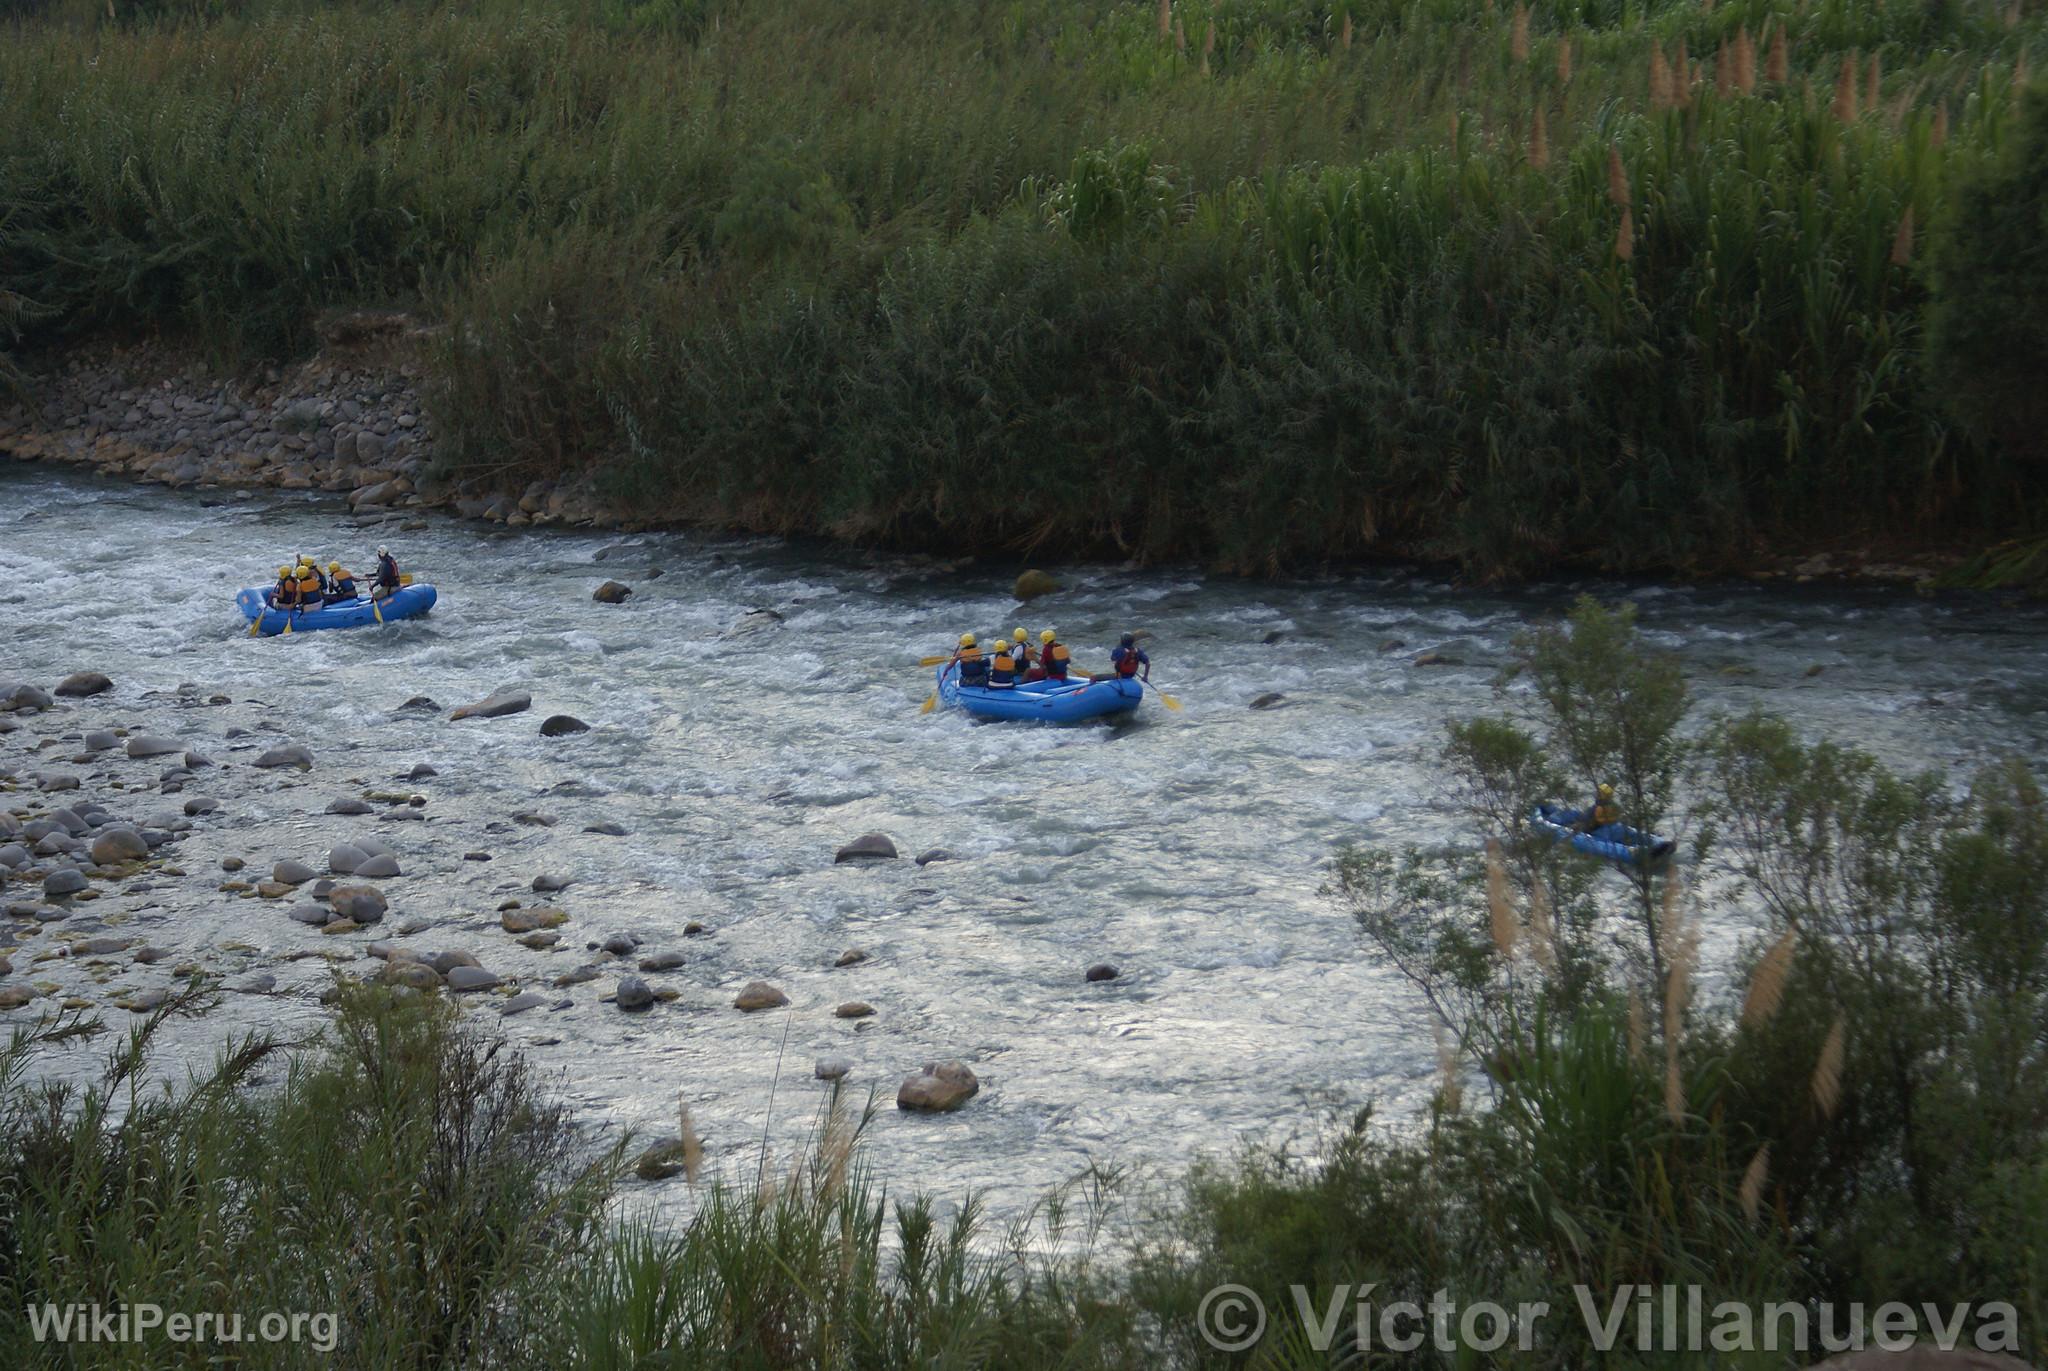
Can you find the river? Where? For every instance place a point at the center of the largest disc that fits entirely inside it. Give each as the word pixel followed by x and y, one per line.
pixel 739 754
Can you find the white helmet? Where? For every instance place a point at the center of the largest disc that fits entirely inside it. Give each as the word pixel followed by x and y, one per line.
pixel 383 551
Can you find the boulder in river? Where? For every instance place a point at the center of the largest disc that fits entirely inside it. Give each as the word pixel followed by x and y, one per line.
pixel 290 872
pixel 831 1068
pixel 1033 584
pixel 853 1009
pixel 24 697
pixel 520 1003
pixel 1101 971
pixel 662 961
pixel 664 1159
pixel 377 867
pixel 562 725
pixel 611 593
pixel 422 704
pixel 469 978
pixel 866 848
pixel 529 920
pixel 82 683
pixel 1268 700
pixel 153 745
pixel 938 1089
pixel 365 904
pixel 63 881
pixel 545 885
pixel 343 859
pixel 758 995
pixel 853 956
pixel 937 854
pixel 116 844
pixel 348 804
pixel 633 993
pixel 495 705
pixel 291 754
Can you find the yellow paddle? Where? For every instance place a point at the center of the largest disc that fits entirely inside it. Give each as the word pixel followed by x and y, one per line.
pixel 934 661
pixel 1164 698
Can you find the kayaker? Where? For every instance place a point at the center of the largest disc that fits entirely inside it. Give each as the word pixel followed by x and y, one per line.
pixel 1003 670
pixel 1130 660
pixel 387 573
pixel 1604 811
pixel 1054 660
pixel 340 584
pixel 973 666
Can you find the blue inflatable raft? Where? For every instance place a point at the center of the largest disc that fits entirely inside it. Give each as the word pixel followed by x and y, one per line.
pixel 1611 842
pixel 409 602
pixel 1046 702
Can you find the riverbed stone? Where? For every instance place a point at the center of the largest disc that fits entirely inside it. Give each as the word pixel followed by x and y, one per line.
pixel 253 983
pixel 633 993
pixel 13 856
pixel 24 697
pixel 15 996
pixel 200 804
pixel 867 847
pixel 759 995
pixel 667 1157
pixel 377 867
pixel 662 961
pixel 116 844
pixel 291 754
pixel 522 1002
pixel 937 854
pixel 562 725
pixel 853 956
pixel 344 858
pixel 67 881
pixel 831 1068
pixel 611 593
pixel 1268 700
pixel 153 745
pixel 416 975
pixel 83 683
pixel 348 804
pixel 607 828
pixel 1101 971
pixel 529 920
pixel 101 739
pixel 362 903
pixel 462 978
pixel 1033 584
pixel 939 1088
pixel 548 884
pixel 290 872
pixel 853 1009
pixel 495 705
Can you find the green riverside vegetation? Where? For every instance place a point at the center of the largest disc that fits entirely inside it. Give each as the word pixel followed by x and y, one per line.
pixel 1849 1109
pixel 1635 284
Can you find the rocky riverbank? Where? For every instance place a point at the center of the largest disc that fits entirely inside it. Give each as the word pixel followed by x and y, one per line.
pixel 348 421
pixel 160 841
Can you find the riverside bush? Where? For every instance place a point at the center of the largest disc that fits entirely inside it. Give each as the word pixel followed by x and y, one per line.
pixel 1632 285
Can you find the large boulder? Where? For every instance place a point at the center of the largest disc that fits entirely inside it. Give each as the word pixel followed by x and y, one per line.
pixel 495 705
pixel 562 725
pixel 362 903
pixel 344 858
pixel 611 593
pixel 530 920
pixel 23 697
pixel 376 867
pixel 758 995
pixel 1033 584
pixel 633 993
pixel 469 978
pixel 63 881
pixel 152 745
pixel 938 1089
pixel 869 847
pixel 291 754
pixel 118 844
pixel 82 683
pixel 290 872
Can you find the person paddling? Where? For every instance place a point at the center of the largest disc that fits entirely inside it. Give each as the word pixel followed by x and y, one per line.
pixel 1003 669
pixel 340 584
pixel 309 586
pixel 972 664
pixel 1054 661
pixel 1129 660
pixel 1602 812
pixel 388 581
pixel 285 594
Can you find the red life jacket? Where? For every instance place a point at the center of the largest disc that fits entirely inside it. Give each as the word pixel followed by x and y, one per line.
pixel 1055 658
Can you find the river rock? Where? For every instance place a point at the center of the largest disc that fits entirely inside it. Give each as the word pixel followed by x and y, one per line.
pixel 13 856
pixel 344 858
pixel 371 846
pixel 461 978
pixel 937 854
pixel 1033 584
pixel 520 1003
pixel 422 704
pixel 607 828
pixel 376 867
pixel 1101 971
pixel 853 1009
pixel 142 1002
pixel 528 920
pixel 758 995
pixel 611 593
pixel 254 983
pixel 24 697
pixel 232 864
pixel 662 961
pixel 199 805
pixel 82 683
pixel 63 882
pixel 853 956
pixel 291 754
pixel 1268 700
pixel 117 843
pixel 620 945
pixel 314 914
pixel 867 847
pixel 348 804
pixel 153 745
pixel 664 1159
pixel 15 996
pixel 421 771
pixel 561 725
pixel 100 947
pixel 362 903
pixel 938 1089
pixel 56 780
pixel 495 706
pixel 100 739
pixel 416 975
pixel 548 884
pixel 289 872
pixel 831 1068
pixel 633 993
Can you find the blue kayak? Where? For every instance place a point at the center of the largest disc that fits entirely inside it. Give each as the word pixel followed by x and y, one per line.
pixel 1611 842
pixel 1046 702
pixel 409 602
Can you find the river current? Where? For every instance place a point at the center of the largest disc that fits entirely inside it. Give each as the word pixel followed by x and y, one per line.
pixel 739 753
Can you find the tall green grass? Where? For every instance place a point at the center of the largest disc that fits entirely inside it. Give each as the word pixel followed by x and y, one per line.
pixel 874 272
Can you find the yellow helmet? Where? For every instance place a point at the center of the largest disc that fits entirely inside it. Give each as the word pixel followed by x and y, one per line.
pixel 1020 635
pixel 1606 791
pixel 334 566
pixel 1046 636
pixel 967 640
pixel 283 572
